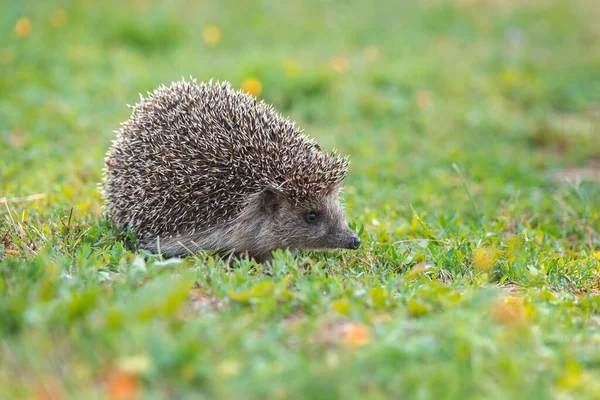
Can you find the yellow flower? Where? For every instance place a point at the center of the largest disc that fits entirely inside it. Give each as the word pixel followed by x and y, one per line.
pixel 339 64
pixel 23 27
pixel 510 310
pixel 58 18
pixel 357 335
pixel 509 77
pixel 252 86
pixel 371 53
pixel 211 34
pixel 341 306
pixel 572 376
pixel 291 68
pixel 484 258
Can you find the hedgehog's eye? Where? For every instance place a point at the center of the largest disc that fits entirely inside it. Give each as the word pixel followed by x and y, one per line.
pixel 311 216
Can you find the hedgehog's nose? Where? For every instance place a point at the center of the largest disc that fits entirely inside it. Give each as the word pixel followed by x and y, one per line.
pixel 355 242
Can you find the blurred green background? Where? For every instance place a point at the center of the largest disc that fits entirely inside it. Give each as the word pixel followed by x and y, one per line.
pixel 473 132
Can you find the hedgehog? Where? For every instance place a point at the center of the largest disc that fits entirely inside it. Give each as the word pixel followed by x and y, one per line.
pixel 206 167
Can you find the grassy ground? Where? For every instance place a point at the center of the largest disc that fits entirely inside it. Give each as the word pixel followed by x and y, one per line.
pixel 474 133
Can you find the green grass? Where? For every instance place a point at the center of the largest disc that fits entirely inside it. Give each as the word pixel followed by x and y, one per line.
pixel 479 274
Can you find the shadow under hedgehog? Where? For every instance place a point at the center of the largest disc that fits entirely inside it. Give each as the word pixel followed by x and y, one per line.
pixel 207 167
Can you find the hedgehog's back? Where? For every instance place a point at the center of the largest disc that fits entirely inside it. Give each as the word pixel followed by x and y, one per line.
pixel 191 154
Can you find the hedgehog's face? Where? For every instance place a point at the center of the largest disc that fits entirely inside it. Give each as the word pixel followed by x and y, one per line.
pixel 319 223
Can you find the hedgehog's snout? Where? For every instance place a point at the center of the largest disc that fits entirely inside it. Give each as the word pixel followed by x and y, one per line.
pixel 348 240
pixel 354 243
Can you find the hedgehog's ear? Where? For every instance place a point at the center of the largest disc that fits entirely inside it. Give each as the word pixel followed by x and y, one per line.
pixel 270 200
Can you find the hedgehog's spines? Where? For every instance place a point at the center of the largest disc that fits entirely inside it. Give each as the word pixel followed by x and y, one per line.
pixel 192 154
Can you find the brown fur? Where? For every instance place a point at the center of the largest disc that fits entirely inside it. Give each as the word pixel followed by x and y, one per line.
pixel 268 222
